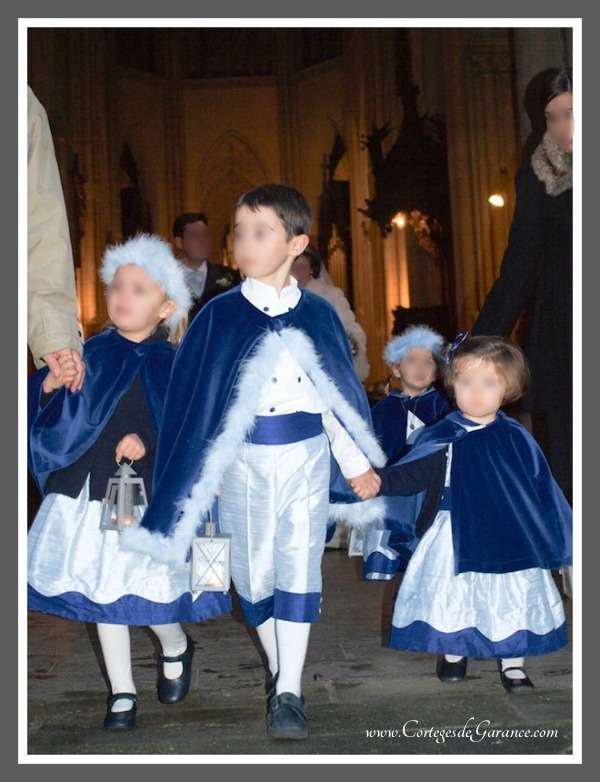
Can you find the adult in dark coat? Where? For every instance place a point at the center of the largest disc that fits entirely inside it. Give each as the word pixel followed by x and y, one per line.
pixel 538 261
pixel 205 279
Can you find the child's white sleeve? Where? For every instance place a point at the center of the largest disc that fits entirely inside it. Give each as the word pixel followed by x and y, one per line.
pixel 347 454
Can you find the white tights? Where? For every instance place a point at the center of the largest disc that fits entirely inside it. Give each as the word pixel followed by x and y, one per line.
pixel 116 650
pixel 285 644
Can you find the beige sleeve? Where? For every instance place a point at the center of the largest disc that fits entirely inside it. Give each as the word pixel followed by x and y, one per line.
pixel 51 293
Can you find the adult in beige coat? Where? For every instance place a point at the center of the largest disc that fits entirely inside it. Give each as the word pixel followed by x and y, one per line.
pixel 53 332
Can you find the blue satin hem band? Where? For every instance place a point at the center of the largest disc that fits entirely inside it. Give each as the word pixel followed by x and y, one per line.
pixel 292 607
pixel 470 642
pixel 130 609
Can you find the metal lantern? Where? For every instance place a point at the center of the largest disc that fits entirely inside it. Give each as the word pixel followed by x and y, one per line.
pixel 211 557
pixel 125 500
pixel 356 543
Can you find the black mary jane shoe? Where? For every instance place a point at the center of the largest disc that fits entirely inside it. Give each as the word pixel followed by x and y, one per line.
pixel 451 672
pixel 286 717
pixel 514 686
pixel 174 690
pixel 120 720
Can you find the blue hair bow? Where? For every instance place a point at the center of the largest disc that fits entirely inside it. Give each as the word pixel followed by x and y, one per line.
pixel 458 340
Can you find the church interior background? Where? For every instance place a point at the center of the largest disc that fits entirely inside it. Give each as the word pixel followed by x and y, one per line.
pixel 396 136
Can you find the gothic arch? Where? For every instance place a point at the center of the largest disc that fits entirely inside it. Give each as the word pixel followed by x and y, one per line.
pixel 227 170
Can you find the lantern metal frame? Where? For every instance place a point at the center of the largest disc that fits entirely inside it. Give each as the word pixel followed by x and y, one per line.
pixel 125 500
pixel 211 560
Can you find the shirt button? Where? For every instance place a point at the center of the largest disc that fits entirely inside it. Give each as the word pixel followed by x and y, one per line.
pixel 278 324
pixel 273 380
pixel 299 379
pixel 265 309
pixel 271 409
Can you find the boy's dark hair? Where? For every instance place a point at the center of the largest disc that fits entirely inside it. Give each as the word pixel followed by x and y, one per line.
pixel 507 357
pixel 288 204
pixel 315 260
pixel 185 219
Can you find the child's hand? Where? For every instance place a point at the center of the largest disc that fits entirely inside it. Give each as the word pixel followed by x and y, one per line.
pixel 66 370
pixel 66 366
pixel 130 447
pixel 366 485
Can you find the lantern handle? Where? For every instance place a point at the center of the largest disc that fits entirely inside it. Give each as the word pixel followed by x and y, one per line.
pixel 119 463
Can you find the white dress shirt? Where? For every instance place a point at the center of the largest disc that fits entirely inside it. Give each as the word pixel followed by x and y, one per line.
pixel 290 390
pixel 196 279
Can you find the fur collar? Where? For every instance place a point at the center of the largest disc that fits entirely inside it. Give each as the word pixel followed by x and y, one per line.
pixel 553 166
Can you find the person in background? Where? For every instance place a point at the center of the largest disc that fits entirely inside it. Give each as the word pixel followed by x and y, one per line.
pixel 308 270
pixel 414 358
pixel 191 238
pixel 538 262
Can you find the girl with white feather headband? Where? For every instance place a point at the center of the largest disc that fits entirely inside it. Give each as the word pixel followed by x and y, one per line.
pixel 75 569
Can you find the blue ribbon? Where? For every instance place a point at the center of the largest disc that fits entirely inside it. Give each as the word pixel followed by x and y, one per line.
pixel 458 340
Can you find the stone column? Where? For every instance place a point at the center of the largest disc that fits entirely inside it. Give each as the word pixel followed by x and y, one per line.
pixel 286 44
pixel 483 156
pixel 86 58
pixel 369 100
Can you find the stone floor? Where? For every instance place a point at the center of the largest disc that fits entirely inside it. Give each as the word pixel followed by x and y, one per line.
pixel 364 699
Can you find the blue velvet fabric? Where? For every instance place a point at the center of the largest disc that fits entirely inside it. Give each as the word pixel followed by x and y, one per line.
pixel 69 424
pixel 389 422
pixel 508 513
pixel 209 359
pixel 390 417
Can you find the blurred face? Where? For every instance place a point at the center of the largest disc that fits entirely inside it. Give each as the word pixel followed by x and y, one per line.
pixel 478 390
pixel 136 304
pixel 301 270
pixel 417 371
pixel 559 120
pixel 260 247
pixel 194 245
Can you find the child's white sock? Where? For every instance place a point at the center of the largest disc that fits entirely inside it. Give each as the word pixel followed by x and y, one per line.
pixel 453 658
pixel 268 640
pixel 173 641
pixel 292 643
pixel 513 662
pixel 116 650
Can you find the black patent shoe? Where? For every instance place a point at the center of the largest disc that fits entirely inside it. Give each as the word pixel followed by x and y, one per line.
pixel 451 672
pixel 286 717
pixel 514 686
pixel 174 690
pixel 120 720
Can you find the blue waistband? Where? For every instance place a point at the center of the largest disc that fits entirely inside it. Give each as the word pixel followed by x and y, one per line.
pixel 284 429
pixel 445 501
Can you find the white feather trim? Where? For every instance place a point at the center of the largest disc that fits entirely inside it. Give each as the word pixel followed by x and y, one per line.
pixel 155 256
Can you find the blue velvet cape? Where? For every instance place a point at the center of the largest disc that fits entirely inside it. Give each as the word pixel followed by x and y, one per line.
pixel 69 424
pixel 206 390
pixel 390 417
pixel 508 513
